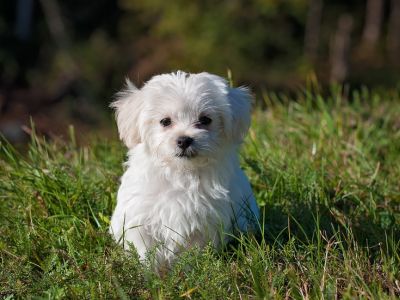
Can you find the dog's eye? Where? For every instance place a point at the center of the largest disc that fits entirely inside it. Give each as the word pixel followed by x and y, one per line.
pixel 166 122
pixel 204 120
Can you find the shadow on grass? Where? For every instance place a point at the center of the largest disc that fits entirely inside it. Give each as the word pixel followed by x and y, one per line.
pixel 305 222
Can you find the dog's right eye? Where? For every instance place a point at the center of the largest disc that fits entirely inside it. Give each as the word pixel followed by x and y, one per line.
pixel 166 122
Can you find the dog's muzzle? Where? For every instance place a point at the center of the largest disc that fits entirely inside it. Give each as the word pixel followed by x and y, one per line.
pixel 185 147
pixel 184 142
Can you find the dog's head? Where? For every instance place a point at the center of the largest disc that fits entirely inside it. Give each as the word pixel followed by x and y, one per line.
pixel 183 118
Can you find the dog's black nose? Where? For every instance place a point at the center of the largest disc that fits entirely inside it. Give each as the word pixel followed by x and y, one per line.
pixel 184 142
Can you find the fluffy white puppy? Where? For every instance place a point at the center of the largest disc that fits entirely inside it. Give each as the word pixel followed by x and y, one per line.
pixel 183 185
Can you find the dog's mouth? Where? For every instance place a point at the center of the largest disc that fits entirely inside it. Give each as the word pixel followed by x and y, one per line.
pixel 188 154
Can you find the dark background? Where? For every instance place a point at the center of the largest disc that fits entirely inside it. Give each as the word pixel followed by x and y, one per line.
pixel 62 61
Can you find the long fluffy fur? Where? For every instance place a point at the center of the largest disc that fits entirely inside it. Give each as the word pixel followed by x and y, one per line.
pixel 168 202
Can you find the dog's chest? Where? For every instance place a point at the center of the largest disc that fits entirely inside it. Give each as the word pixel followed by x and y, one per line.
pixel 185 204
pixel 183 214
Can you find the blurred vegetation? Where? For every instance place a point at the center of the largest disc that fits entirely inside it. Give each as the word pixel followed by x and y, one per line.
pixel 78 52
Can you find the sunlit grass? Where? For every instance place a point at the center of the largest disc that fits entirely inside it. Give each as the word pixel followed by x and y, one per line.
pixel 325 171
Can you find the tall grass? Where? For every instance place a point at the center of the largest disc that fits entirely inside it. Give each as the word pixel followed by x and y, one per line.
pixel 325 171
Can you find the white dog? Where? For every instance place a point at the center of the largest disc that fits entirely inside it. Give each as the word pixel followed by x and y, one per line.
pixel 183 185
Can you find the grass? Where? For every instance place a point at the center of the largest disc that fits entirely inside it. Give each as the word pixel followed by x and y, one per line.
pixel 325 171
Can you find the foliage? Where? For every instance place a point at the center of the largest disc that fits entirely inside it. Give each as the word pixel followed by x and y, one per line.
pixel 325 170
pixel 239 35
pixel 263 42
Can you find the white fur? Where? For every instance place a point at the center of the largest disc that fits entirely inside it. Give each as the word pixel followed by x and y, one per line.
pixel 168 202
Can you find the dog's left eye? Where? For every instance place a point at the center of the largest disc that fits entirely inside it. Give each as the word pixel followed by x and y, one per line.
pixel 204 120
pixel 166 122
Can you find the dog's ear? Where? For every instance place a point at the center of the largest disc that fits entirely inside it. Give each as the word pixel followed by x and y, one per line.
pixel 240 100
pixel 128 105
pixel 237 118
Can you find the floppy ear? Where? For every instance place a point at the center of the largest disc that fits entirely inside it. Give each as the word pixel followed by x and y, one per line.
pixel 128 106
pixel 240 101
pixel 237 117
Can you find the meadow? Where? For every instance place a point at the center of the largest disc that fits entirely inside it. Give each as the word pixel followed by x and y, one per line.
pixel 325 169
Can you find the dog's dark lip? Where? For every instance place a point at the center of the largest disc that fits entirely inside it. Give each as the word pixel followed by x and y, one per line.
pixel 186 155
